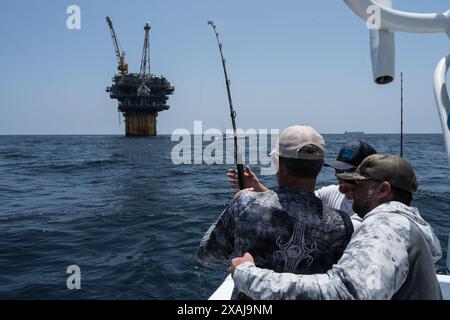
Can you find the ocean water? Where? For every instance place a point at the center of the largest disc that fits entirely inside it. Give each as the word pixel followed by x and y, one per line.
pixel 131 220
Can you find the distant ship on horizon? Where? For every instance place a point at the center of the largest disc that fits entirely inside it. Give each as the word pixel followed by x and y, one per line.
pixel 353 132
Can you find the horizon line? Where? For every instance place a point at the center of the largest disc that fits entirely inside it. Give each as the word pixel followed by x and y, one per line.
pixel 168 134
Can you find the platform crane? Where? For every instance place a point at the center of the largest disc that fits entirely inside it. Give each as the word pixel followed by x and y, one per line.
pixel 120 54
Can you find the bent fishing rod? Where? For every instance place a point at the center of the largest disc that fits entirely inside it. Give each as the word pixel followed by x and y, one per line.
pixel 237 153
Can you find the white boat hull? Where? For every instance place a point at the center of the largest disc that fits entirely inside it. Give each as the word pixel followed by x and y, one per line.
pixel 226 288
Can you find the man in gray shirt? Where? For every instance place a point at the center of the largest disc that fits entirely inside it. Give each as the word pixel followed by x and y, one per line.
pixel 390 256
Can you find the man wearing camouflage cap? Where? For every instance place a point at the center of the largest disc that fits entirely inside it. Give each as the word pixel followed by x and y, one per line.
pixel 390 256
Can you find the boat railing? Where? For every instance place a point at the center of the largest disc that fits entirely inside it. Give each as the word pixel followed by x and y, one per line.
pixel 383 46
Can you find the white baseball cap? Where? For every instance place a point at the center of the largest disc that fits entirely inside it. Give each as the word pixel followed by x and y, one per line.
pixel 294 138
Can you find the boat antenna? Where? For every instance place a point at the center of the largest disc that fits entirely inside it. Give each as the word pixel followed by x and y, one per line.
pixel 237 152
pixel 401 115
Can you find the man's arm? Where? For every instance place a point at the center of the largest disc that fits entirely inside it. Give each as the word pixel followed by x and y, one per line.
pixel 374 266
pixel 218 242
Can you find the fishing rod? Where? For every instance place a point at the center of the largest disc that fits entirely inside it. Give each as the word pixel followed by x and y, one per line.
pixel 237 153
pixel 401 116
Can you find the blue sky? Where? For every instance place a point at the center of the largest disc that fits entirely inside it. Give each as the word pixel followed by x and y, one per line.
pixel 289 62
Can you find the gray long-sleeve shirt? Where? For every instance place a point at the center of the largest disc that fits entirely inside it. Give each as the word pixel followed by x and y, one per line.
pixel 390 256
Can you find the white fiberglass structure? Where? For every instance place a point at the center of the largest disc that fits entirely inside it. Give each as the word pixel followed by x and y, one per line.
pixel 383 21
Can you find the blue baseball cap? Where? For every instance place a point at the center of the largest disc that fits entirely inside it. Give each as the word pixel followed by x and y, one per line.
pixel 351 155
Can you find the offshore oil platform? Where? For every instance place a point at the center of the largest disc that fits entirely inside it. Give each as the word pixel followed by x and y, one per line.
pixel 140 95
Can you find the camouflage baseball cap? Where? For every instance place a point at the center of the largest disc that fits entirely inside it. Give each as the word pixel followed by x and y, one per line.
pixel 393 169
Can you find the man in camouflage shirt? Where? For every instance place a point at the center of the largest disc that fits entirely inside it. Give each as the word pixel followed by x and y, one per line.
pixel 337 196
pixel 390 256
pixel 287 230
